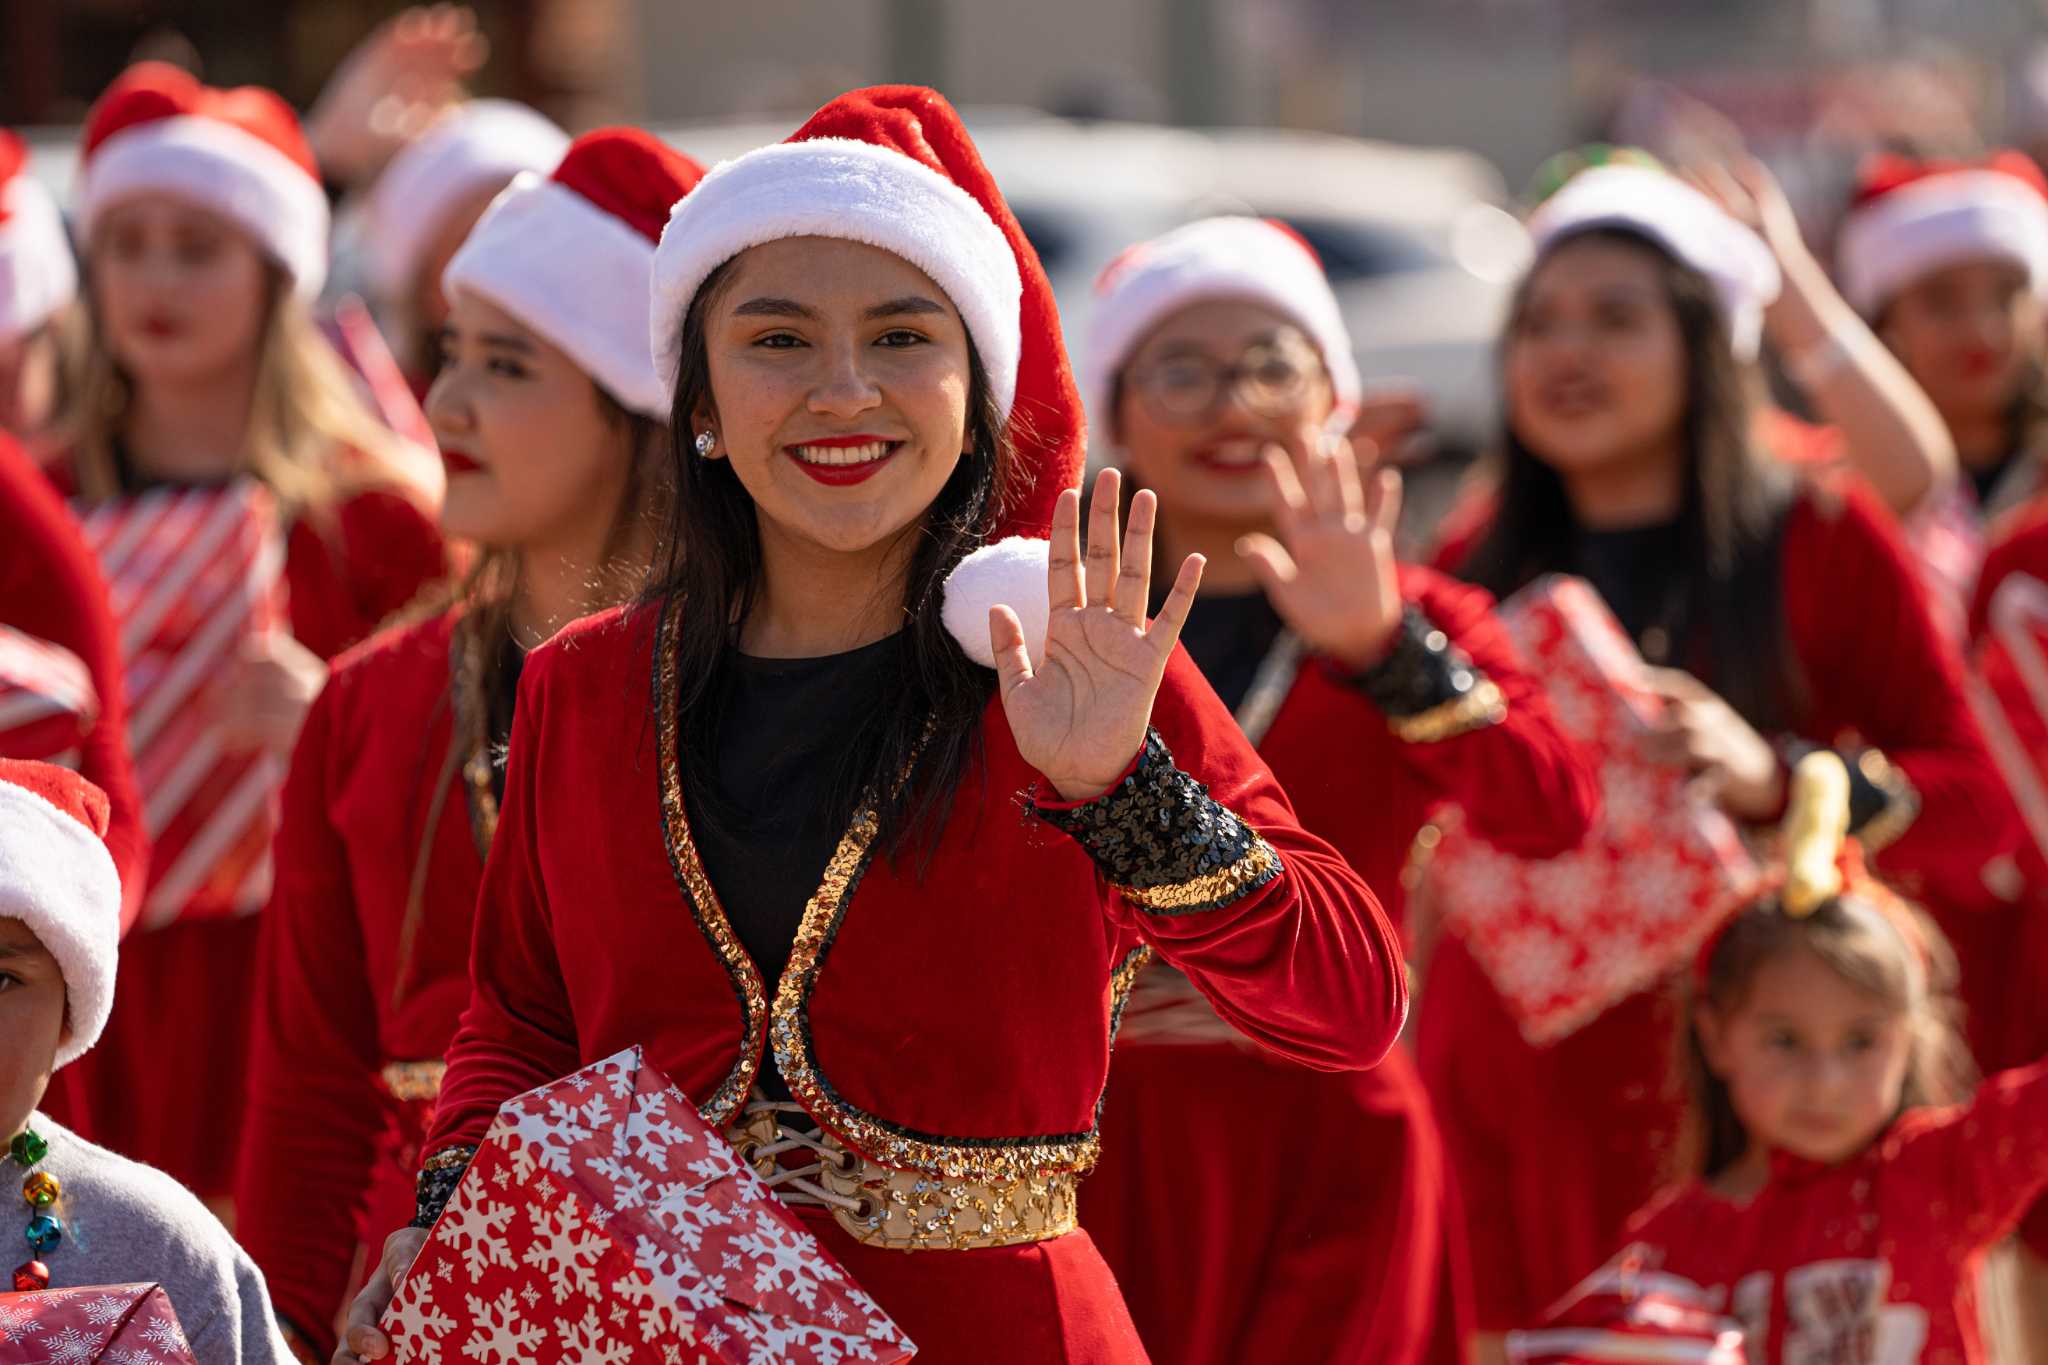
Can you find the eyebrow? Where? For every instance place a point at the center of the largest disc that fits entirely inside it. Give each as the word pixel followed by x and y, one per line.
pixel 909 304
pixel 447 335
pixel 770 306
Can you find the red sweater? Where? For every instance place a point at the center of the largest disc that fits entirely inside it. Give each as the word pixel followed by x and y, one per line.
pixel 1876 1258
pixel 50 587
pixel 344 987
pixel 1521 782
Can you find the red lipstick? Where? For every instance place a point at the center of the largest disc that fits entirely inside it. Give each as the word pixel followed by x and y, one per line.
pixel 842 475
pixel 459 461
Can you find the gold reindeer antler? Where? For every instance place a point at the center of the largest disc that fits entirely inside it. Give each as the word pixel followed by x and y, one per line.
pixel 1816 822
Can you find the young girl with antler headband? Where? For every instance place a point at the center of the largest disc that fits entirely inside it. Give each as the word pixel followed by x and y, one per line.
pixel 1834 1216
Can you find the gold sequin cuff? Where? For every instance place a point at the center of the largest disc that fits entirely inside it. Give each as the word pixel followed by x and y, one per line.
pixel 1164 843
pixel 1484 705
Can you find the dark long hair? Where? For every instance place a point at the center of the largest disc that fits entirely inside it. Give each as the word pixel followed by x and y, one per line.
pixel 1848 933
pixel 927 728
pixel 1731 517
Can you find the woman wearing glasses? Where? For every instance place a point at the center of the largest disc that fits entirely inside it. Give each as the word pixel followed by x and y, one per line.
pixel 1376 691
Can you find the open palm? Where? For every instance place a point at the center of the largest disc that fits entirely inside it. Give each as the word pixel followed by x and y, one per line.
pixel 1079 716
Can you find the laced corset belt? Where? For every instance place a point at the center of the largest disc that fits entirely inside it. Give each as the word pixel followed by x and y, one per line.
pixel 1165 1007
pixel 900 1210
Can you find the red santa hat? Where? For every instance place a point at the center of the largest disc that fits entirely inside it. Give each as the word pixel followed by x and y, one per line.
pixel 37 276
pixel 239 153
pixel 1911 218
pixel 476 146
pixel 892 166
pixel 1678 218
pixel 1257 259
pixel 560 253
pixel 57 877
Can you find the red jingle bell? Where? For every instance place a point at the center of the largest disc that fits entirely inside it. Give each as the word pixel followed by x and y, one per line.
pixel 31 1276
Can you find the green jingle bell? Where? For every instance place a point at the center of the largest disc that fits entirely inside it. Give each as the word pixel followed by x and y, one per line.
pixel 31 1276
pixel 41 1189
pixel 27 1148
pixel 44 1232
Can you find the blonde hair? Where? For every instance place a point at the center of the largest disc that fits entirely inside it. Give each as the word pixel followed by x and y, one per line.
pixel 311 439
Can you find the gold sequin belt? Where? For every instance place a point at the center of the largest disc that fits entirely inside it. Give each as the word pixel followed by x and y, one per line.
pixel 412 1082
pixel 899 1210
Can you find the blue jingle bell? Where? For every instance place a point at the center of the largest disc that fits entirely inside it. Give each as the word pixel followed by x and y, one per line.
pixel 44 1232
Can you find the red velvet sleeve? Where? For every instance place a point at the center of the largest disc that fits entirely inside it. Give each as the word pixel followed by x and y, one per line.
pixel 1985 1158
pixel 350 571
pixel 50 587
pixel 1882 674
pixel 315 1112
pixel 1283 937
pixel 2021 547
pixel 518 1031
pixel 1521 782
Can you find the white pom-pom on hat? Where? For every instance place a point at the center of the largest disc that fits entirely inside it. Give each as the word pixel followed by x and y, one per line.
pixel 1009 573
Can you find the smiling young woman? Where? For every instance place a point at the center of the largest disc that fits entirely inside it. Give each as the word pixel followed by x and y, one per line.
pixel 205 239
pixel 866 882
pixel 552 423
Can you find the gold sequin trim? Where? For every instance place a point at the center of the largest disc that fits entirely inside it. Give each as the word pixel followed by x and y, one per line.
pixel 408 1082
pixel 449 1158
pixel 1258 866
pixel 1484 705
pixel 725 1101
pixel 1901 807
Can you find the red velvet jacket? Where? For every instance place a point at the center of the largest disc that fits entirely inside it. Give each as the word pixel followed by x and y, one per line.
pixel 1520 781
pixel 1876 1258
pixel 963 1018
pixel 2019 545
pixel 50 588
pixel 345 984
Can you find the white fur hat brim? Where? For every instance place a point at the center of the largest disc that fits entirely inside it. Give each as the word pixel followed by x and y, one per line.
pixel 223 170
pixel 1214 258
pixel 57 877
pixel 1686 223
pixel 1942 221
pixel 37 274
pixel 561 265
pixel 481 145
pixel 1009 573
pixel 850 191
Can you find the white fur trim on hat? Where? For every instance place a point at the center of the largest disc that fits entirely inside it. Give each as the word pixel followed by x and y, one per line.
pixel 1938 222
pixel 37 275
pixel 225 170
pixel 57 877
pixel 562 266
pixel 1010 573
pixel 1684 222
pixel 853 191
pixel 1214 258
pixel 482 144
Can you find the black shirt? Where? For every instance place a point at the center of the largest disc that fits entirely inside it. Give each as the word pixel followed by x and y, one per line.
pixel 1637 573
pixel 768 831
pixel 1228 638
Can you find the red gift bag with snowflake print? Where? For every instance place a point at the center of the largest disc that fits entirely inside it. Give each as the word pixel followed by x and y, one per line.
pixel 1564 938
pixel 118 1324
pixel 603 1222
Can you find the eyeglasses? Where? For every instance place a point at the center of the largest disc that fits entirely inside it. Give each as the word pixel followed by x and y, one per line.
pixel 1270 379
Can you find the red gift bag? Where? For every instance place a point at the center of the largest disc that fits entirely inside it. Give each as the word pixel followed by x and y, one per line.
pixel 47 700
pixel 1624 1315
pixel 2008 690
pixel 602 1222
pixel 194 575
pixel 119 1324
pixel 1565 937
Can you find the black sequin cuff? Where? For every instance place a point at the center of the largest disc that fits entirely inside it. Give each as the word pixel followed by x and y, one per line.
pixel 1882 800
pixel 1164 843
pixel 437 1182
pixel 1427 687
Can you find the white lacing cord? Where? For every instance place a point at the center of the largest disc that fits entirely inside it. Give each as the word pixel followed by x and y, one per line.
pixel 795 1182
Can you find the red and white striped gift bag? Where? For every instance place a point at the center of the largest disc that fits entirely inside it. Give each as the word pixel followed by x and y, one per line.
pixel 193 576
pixel 2008 691
pixel 1626 1314
pixel 47 700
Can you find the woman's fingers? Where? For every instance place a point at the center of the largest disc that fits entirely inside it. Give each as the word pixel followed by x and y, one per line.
pixel 1102 547
pixel 1064 587
pixel 1290 500
pixel 1383 502
pixel 1269 559
pixel 1006 642
pixel 1351 500
pixel 1133 596
pixel 1173 614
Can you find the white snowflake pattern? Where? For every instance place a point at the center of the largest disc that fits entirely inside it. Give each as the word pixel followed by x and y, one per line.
pixel 121 1355
pixel 499 1333
pixel 418 1324
pixel 564 1249
pixel 785 1259
pixel 70 1347
pixel 542 1129
pixel 17 1325
pixel 476 1231
pixel 164 1334
pixel 630 1187
pixel 672 1287
pixel 107 1310
pixel 653 1134
pixel 587 1343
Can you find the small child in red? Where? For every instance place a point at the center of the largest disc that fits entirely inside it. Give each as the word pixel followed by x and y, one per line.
pixel 1837 1219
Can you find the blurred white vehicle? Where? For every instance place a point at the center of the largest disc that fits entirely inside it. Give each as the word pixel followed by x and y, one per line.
pixel 1417 242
